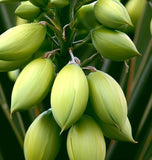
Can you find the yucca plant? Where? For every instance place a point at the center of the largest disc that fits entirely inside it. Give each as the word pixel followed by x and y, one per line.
pixel 103 55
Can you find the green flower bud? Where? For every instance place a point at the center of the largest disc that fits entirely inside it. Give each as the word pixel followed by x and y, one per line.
pixel 40 3
pixel 32 84
pixel 58 3
pixel 21 41
pixel 27 10
pixel 13 74
pixel 108 100
pixel 85 141
pixel 42 140
pixel 86 18
pixel 6 66
pixel 11 1
pixel 112 13
pixel 69 95
pixel 135 8
pixel 112 44
pixel 20 21
pixel 112 132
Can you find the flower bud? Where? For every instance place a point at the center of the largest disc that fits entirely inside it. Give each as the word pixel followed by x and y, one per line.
pixel 69 95
pixel 6 66
pixel 112 14
pixel 32 84
pixel 13 74
pixel 21 41
pixel 40 3
pixel 112 132
pixel 85 141
pixel 42 140
pixel 107 98
pixel 58 3
pixel 86 18
pixel 112 44
pixel 27 10
pixel 135 8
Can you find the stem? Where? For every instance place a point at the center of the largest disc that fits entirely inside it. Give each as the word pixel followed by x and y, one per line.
pixel 91 68
pixel 72 56
pixel 50 53
pixel 53 22
pixel 72 10
pixel 53 40
pixel 86 61
pixel 63 34
pixel 37 113
pixel 5 109
pixel 80 43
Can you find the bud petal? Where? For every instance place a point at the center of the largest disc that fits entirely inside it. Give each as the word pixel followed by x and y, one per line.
pixel 27 10
pixel 69 95
pixel 58 3
pixel 135 8
pixel 112 132
pixel 111 13
pixel 112 44
pixel 32 84
pixel 86 18
pixel 13 74
pixel 42 140
pixel 40 3
pixel 21 41
pixel 107 97
pixel 85 141
pixel 6 66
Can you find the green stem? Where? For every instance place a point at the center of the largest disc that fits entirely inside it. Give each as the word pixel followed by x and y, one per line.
pixel 5 109
pixel 53 40
pixel 88 60
pixel 53 22
pixel 80 43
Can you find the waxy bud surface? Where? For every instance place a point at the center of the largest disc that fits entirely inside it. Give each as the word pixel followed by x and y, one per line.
pixel 6 66
pixel 108 100
pixel 42 140
pixel 69 95
pixel 32 84
pixel 112 44
pixel 21 41
pixel 112 14
pixel 85 140
pixel 58 3
pixel 113 132
pixel 27 10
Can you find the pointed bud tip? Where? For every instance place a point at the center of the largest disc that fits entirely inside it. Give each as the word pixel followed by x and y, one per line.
pixel 139 54
pixel 62 130
pixel 133 141
pixel 130 24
